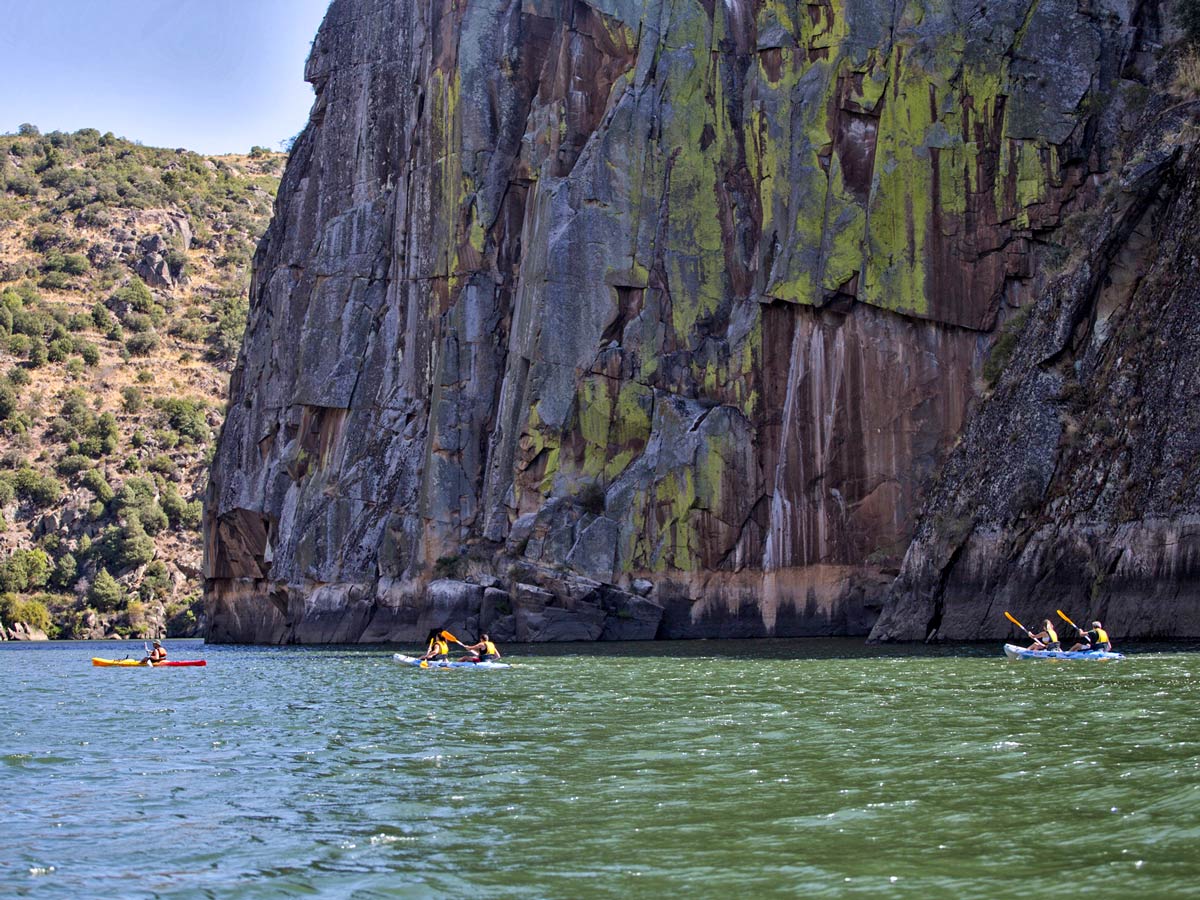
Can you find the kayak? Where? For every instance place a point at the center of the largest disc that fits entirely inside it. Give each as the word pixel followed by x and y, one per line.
pixel 138 664
pixel 447 664
pixel 1014 652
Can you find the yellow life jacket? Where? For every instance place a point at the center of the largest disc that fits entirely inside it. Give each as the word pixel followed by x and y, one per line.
pixel 1102 636
pixel 1051 635
pixel 489 649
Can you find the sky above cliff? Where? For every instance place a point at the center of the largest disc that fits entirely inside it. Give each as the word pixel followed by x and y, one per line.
pixel 214 76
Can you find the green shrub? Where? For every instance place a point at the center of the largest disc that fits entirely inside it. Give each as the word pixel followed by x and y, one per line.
pixel 72 464
pixel 125 546
pixel 137 295
pixel 31 611
pixel 40 490
pixel 59 350
pixel 37 354
pixel 89 353
pixel 56 281
pixel 180 513
pixel 137 500
pixel 18 377
pixel 142 344
pixel 95 482
pixel 137 322
pixel 156 582
pixel 131 399
pixel 105 594
pixel 66 572
pixel 185 417
pixel 76 264
pixel 164 465
pixel 25 570
pixel 8 401
pixel 102 318
pixel 30 322
pixel 166 438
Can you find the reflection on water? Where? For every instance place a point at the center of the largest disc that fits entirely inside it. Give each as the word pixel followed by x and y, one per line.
pixel 783 768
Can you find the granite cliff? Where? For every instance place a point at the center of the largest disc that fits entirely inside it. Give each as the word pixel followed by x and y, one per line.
pixel 613 320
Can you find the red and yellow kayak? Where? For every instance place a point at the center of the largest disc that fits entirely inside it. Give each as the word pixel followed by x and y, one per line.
pixel 137 663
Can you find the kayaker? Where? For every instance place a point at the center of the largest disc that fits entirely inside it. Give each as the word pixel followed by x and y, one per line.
pixel 1096 639
pixel 437 647
pixel 482 651
pixel 157 654
pixel 1047 638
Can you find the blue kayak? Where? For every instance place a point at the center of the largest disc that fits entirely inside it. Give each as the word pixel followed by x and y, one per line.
pixel 447 664
pixel 1012 651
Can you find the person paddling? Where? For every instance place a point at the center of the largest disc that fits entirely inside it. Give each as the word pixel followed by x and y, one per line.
pixel 1046 639
pixel 1096 639
pixel 482 651
pixel 437 648
pixel 156 655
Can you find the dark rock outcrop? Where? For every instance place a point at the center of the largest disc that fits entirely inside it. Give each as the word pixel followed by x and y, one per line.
pixel 562 298
pixel 1077 484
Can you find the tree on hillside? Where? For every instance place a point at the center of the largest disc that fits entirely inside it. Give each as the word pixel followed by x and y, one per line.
pixel 105 594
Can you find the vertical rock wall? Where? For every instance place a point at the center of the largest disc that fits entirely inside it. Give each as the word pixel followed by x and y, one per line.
pixel 623 320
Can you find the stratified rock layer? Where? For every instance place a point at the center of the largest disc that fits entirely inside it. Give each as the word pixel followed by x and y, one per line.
pixel 614 320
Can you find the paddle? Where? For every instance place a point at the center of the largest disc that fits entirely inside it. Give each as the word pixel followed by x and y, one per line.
pixel 1062 615
pixel 1010 618
pixel 448 636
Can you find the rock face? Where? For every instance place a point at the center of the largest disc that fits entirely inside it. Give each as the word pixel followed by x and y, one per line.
pixel 587 320
pixel 1075 486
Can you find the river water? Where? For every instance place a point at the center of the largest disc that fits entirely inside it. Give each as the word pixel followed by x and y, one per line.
pixel 770 768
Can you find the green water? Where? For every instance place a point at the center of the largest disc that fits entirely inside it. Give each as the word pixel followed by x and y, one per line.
pixel 776 768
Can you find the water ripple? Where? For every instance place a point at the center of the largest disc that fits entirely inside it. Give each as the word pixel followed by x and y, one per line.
pixel 289 772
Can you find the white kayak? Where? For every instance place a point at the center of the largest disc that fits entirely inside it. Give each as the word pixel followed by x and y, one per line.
pixel 1012 651
pixel 447 663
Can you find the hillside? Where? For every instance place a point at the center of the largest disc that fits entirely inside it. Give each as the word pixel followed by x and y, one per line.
pixel 123 278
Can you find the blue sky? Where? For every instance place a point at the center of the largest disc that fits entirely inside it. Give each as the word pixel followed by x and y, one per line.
pixel 215 76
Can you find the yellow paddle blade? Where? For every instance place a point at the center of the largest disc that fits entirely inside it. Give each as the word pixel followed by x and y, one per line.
pixel 1010 618
pixel 1062 615
pixel 424 664
pixel 448 636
